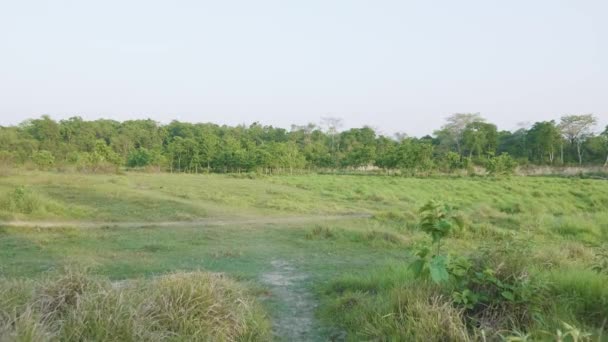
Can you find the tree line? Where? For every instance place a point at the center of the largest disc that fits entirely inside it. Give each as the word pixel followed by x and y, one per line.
pixel 464 141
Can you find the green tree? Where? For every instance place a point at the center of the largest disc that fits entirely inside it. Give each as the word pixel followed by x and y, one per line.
pixel 209 146
pixel 358 147
pixel 414 156
pixel 452 133
pixel 544 139
pixel 480 138
pixel 45 130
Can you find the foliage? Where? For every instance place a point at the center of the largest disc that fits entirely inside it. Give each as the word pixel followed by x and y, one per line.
pixel 143 157
pixel 353 265
pixel 185 147
pixel 543 140
pixel 576 129
pixel 438 221
pixel 483 290
pixel 480 138
pixel 21 200
pixel 503 164
pixel 43 159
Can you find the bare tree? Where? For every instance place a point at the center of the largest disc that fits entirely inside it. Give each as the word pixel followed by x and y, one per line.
pixel 577 128
pixel 307 129
pixel 332 126
pixel 400 136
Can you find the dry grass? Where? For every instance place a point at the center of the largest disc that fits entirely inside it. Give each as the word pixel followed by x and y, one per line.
pixel 73 306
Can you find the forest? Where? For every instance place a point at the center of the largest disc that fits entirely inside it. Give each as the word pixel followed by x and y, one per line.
pixel 465 141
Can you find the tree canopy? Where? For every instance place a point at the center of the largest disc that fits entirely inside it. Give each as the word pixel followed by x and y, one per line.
pixel 465 140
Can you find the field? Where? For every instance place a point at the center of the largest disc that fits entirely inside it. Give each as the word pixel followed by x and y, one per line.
pixel 308 257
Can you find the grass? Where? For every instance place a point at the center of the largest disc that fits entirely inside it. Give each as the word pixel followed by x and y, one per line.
pixel 354 269
pixel 179 306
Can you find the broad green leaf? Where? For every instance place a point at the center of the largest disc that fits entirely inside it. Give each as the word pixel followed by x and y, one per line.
pixel 508 295
pixel 417 267
pixel 438 270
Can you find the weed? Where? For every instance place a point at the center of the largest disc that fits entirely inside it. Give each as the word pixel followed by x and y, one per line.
pixel 321 232
pixel 600 264
pixel 21 200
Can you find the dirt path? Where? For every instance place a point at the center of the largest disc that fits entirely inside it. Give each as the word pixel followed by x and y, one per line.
pixel 294 320
pixel 202 222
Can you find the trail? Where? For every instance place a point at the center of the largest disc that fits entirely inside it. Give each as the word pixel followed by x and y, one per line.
pixel 261 220
pixel 295 317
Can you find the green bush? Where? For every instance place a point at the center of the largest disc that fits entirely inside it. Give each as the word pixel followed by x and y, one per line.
pixel 21 200
pixel 438 221
pixel 43 159
pixel 501 165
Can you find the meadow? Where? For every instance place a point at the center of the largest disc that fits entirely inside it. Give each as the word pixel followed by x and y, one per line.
pixel 299 257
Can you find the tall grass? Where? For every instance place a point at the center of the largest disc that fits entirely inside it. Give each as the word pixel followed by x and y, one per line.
pixel 73 306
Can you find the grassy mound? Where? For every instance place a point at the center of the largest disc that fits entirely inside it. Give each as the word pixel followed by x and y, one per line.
pixel 195 306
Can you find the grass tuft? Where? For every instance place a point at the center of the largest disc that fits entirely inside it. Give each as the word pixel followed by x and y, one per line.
pixel 74 306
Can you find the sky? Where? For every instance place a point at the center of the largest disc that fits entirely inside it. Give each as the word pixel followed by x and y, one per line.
pixel 397 66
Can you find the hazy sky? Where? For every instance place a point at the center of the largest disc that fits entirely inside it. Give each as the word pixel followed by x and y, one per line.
pixel 395 65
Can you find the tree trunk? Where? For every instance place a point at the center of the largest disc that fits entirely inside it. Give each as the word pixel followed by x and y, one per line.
pixel 562 152
pixel 606 163
pixel 580 156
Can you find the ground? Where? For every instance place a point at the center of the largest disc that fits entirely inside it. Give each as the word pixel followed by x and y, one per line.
pixel 293 240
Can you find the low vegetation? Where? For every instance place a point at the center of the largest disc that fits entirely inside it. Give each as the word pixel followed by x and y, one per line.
pixel 74 306
pixel 434 259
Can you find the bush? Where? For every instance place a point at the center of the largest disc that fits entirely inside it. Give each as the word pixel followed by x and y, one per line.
pixel 501 165
pixel 43 159
pixel 143 157
pixel 21 200
pixel 453 161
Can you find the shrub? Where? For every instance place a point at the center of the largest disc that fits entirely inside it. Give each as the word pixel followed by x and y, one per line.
pixel 453 161
pixel 501 165
pixel 43 159
pixel 21 200
pixel 438 220
pixel 143 157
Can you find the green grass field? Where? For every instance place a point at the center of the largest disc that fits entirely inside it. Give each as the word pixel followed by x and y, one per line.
pixel 319 257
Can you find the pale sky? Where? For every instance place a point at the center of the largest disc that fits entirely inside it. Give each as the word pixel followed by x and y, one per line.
pixel 399 66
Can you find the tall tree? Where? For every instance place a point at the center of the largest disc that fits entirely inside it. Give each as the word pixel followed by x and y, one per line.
pixel 544 139
pixel 604 136
pixel 480 138
pixel 577 128
pixel 452 133
pixel 332 127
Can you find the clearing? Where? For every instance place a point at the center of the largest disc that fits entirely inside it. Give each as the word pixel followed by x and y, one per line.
pixel 326 256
